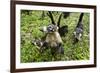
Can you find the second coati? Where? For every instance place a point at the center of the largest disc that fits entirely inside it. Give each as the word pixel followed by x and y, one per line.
pixel 78 30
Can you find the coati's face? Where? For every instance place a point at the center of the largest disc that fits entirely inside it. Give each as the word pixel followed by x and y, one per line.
pixel 49 29
pixel 52 28
pixel 78 33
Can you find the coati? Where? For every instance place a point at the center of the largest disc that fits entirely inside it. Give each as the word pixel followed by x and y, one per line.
pixel 52 39
pixel 78 30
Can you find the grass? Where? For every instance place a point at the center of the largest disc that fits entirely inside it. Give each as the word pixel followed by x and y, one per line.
pixel 30 24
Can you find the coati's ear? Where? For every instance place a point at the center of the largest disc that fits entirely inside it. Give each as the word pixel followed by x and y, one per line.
pixel 56 27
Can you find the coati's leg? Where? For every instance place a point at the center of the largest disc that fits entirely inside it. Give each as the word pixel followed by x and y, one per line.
pixel 60 48
pixel 57 52
pixel 78 30
pixel 57 49
pixel 60 51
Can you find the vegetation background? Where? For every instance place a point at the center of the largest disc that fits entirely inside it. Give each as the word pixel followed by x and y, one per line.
pixel 30 23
